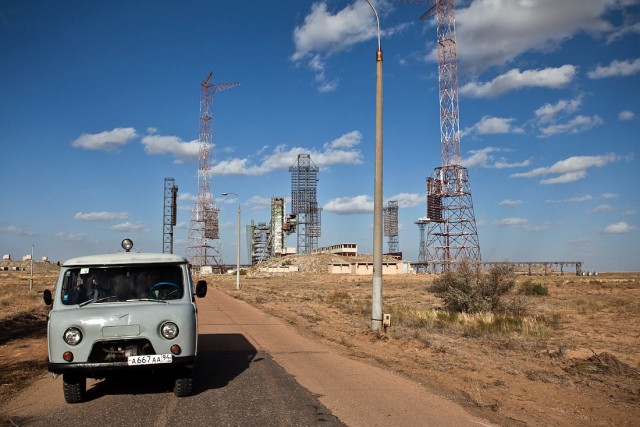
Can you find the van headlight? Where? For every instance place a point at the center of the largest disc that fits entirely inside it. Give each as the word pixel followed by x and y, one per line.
pixel 169 330
pixel 72 336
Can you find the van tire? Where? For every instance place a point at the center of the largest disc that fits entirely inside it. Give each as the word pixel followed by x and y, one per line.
pixel 74 388
pixel 184 384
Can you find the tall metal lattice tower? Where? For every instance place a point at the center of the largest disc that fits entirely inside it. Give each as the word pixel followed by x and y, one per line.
pixel 390 219
pixel 304 204
pixel 169 214
pixel 452 235
pixel 203 246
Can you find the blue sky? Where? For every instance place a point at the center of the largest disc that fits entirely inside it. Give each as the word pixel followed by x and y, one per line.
pixel 99 102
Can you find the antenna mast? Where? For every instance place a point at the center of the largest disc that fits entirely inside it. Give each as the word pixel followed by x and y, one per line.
pixel 203 246
pixel 451 225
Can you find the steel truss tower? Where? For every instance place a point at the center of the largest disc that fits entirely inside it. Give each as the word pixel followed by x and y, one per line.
pixel 390 218
pixel 203 246
pixel 304 183
pixel 451 225
pixel 169 214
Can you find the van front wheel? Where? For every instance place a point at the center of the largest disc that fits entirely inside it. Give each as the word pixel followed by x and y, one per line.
pixel 184 384
pixel 74 387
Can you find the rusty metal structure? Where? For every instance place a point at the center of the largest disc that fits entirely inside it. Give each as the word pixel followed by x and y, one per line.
pixel 203 245
pixel 304 204
pixel 390 220
pixel 451 233
pixel 169 214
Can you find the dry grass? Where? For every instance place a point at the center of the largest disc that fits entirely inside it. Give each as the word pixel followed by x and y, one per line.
pixel 510 368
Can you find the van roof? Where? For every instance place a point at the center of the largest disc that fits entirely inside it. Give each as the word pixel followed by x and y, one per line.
pixel 121 258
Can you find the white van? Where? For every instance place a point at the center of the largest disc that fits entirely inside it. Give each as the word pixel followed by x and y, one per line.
pixel 123 312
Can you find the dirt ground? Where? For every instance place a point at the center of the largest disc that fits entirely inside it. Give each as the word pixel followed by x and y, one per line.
pixel 573 360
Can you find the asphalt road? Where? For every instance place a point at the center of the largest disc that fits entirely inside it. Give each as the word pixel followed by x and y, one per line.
pixel 233 388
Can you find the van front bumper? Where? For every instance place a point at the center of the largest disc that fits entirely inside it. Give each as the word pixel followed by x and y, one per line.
pixel 91 369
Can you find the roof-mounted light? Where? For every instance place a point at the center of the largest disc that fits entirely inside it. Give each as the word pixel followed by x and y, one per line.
pixel 127 244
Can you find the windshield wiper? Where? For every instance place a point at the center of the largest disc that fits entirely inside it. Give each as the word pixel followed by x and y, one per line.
pixel 147 299
pixel 96 300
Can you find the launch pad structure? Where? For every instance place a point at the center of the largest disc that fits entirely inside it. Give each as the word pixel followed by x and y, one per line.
pixel 265 241
pixel 203 244
pixel 304 204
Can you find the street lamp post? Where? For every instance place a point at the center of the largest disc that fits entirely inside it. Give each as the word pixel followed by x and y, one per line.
pixel 238 242
pixel 376 294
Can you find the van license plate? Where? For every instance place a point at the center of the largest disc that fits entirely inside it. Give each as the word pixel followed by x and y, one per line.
pixel 152 359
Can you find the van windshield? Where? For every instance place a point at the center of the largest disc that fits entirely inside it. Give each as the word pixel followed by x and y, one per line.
pixel 122 283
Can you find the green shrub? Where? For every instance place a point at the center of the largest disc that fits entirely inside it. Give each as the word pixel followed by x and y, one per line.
pixel 531 288
pixel 472 291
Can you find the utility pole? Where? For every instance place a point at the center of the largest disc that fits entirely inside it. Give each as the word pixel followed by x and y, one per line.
pixel 376 292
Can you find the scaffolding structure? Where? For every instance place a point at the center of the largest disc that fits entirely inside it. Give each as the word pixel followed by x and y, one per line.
pixel 451 235
pixel 390 220
pixel 169 214
pixel 304 204
pixel 203 245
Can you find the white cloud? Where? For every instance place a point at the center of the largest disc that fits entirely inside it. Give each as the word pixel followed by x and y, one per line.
pixel 408 200
pixel 495 32
pixel 349 205
pixel 338 151
pixel 259 202
pixel 521 224
pixel 187 197
pixel 71 237
pixel 570 169
pixel 180 150
pixel 615 69
pixel 12 229
pixel 548 112
pixel 576 125
pixel 484 158
pixel 129 227
pixel 480 157
pixel 100 216
pixel 493 125
pixel 347 140
pixel 511 222
pixel 324 34
pixel 575 199
pixel 609 195
pixel 108 140
pixel 580 199
pixel 509 202
pixel 626 115
pixel 515 79
pixel 602 208
pixel 619 228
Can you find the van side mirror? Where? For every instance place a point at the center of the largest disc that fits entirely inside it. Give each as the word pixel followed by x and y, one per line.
pixel 47 296
pixel 201 288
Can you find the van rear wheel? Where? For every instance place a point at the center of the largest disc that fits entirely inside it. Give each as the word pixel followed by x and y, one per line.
pixel 74 388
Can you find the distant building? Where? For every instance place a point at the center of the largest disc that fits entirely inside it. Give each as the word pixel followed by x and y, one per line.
pixel 344 249
pixel 6 257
